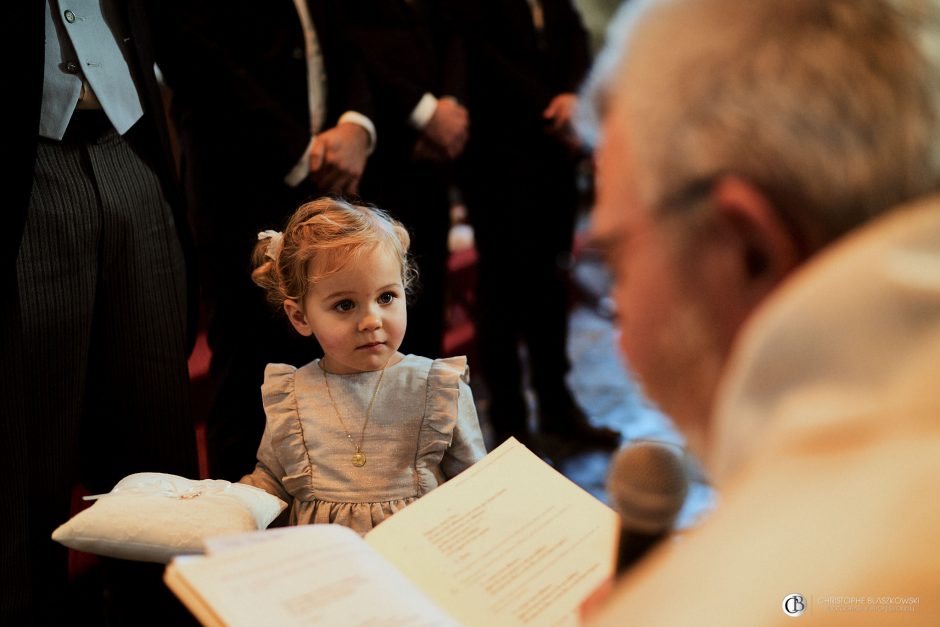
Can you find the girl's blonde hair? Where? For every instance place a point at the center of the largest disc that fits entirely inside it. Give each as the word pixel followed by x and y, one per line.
pixel 321 238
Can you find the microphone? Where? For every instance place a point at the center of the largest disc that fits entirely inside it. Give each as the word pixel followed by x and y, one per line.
pixel 647 483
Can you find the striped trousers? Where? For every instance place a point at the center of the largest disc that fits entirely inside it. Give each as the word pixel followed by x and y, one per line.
pixel 93 379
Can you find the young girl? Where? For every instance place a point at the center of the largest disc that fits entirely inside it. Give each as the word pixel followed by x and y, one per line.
pixel 359 434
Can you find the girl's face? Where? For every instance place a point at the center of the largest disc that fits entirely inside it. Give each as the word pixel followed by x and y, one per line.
pixel 357 314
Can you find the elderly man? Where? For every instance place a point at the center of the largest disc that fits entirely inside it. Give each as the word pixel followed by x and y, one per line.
pixel 765 172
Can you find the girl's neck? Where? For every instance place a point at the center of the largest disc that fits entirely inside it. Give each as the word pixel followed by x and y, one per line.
pixel 325 364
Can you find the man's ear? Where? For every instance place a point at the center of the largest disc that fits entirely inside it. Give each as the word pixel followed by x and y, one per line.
pixel 297 318
pixel 764 246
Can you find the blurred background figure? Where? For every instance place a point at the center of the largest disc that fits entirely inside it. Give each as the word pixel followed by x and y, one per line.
pixel 272 109
pixel 525 61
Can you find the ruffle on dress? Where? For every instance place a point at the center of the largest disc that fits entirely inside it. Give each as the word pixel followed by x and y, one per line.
pixel 288 450
pixel 360 517
pixel 440 418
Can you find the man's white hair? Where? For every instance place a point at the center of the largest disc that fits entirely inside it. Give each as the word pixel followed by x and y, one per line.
pixel 830 107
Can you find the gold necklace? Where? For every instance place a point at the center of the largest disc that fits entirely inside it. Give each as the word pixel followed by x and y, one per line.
pixel 359 458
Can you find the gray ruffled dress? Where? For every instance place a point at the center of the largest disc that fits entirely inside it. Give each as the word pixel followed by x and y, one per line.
pixel 422 431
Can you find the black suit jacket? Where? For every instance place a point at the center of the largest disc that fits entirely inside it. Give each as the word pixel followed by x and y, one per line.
pixel 408 49
pixel 514 71
pixel 239 76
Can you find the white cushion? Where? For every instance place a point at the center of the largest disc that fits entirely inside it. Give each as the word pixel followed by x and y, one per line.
pixel 153 517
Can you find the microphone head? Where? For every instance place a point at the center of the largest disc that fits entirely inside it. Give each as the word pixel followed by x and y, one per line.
pixel 647 483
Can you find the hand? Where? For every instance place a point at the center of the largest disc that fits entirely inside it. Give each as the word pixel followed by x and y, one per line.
pixel 449 127
pixel 338 158
pixel 560 112
pixel 426 150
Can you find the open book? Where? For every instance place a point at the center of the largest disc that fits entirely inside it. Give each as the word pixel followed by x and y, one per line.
pixel 509 541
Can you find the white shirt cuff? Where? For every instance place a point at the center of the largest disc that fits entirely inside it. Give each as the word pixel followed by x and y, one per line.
pixel 423 111
pixel 300 171
pixel 354 117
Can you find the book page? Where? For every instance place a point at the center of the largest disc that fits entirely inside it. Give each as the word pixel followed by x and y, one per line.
pixel 308 575
pixel 219 544
pixel 510 541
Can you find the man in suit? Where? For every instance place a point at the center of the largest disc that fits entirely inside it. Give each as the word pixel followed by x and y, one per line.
pixel 93 338
pixel 272 110
pixel 525 60
pixel 415 63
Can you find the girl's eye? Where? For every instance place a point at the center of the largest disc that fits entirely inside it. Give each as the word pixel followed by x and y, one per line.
pixel 343 305
pixel 386 298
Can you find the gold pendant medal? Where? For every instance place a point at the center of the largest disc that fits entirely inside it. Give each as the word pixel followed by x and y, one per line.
pixel 359 458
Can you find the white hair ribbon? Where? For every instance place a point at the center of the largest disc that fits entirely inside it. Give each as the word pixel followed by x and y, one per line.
pixel 274 246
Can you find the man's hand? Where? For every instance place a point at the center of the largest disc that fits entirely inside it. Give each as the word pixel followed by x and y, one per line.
pixel 426 150
pixel 338 158
pixel 448 128
pixel 560 112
